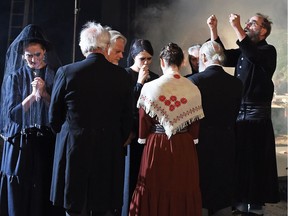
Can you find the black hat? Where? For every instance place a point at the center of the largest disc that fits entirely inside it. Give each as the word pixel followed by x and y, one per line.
pixel 33 33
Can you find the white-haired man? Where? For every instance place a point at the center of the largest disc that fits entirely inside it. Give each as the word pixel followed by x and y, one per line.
pixel 117 46
pixel 221 98
pixel 92 121
pixel 193 58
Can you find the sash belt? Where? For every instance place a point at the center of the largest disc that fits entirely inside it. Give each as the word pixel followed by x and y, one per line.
pixel 34 130
pixel 254 111
pixel 160 129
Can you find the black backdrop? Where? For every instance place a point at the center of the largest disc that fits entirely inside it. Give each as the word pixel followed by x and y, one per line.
pixel 57 19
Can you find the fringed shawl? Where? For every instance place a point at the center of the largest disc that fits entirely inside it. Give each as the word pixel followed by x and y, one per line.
pixel 174 100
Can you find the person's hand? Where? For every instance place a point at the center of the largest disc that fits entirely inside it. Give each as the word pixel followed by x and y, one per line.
pixel 212 22
pixel 35 92
pixel 40 85
pixel 234 20
pixel 130 138
pixel 38 88
pixel 143 74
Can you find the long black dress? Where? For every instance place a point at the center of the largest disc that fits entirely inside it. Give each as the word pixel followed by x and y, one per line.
pixel 27 158
pixel 28 149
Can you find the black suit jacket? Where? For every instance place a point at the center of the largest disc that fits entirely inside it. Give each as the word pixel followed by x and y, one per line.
pixel 92 114
pixel 221 98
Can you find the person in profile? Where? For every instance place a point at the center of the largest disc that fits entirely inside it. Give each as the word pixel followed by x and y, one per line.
pixel 193 59
pixel 117 46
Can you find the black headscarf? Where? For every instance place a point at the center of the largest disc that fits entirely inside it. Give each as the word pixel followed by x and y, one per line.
pixel 15 63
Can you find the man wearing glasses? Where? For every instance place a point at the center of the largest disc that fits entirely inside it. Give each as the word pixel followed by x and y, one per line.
pixel 256 179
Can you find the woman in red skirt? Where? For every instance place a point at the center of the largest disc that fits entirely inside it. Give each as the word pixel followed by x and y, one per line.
pixel 169 110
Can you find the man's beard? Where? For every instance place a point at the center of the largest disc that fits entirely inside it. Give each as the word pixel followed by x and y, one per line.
pixel 253 35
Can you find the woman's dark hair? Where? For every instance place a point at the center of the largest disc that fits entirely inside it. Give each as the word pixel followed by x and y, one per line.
pixel 172 54
pixel 139 45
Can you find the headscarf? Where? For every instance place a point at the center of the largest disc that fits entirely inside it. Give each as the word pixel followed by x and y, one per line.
pixel 174 100
pixel 15 62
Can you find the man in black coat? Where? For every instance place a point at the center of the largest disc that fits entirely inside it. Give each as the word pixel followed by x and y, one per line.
pixel 92 115
pixel 255 63
pixel 221 97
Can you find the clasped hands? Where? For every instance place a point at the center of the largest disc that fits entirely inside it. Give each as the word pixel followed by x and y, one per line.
pixel 38 87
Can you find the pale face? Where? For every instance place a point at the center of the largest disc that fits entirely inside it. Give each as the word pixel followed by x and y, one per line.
pixel 34 56
pixel 253 28
pixel 202 66
pixel 143 58
pixel 115 52
pixel 194 58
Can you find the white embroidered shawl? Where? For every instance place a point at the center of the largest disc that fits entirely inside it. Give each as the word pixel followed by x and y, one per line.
pixel 174 100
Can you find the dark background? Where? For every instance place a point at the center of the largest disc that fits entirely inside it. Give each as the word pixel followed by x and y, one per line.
pixel 160 21
pixel 57 18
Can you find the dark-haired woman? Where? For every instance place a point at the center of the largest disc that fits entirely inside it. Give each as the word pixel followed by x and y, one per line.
pixel 27 159
pixel 138 62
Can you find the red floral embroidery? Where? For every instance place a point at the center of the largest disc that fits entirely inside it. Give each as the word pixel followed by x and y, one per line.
pixel 172 102
pixel 171 107
pixel 167 102
pixel 177 103
pixel 162 98
pixel 177 76
pixel 183 100
pixel 173 98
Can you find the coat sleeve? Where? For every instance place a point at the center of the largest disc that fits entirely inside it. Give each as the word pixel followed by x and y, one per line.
pixel 57 111
pixel 127 112
pixel 231 55
pixel 144 126
pixel 194 129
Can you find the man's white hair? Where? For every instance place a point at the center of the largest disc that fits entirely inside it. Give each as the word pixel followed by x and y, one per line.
pixel 194 47
pixel 213 52
pixel 114 35
pixel 93 36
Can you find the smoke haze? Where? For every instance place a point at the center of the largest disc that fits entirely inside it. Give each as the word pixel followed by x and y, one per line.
pixel 184 22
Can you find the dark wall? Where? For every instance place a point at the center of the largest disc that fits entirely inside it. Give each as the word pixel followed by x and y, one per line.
pixel 4 15
pixel 57 19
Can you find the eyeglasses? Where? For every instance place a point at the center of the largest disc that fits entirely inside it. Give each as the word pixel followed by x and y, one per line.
pixel 252 23
pixel 145 59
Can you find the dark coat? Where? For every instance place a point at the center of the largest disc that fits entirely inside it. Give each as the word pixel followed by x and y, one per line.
pixel 221 97
pixel 27 157
pixel 254 66
pixel 92 114
pixel 257 178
